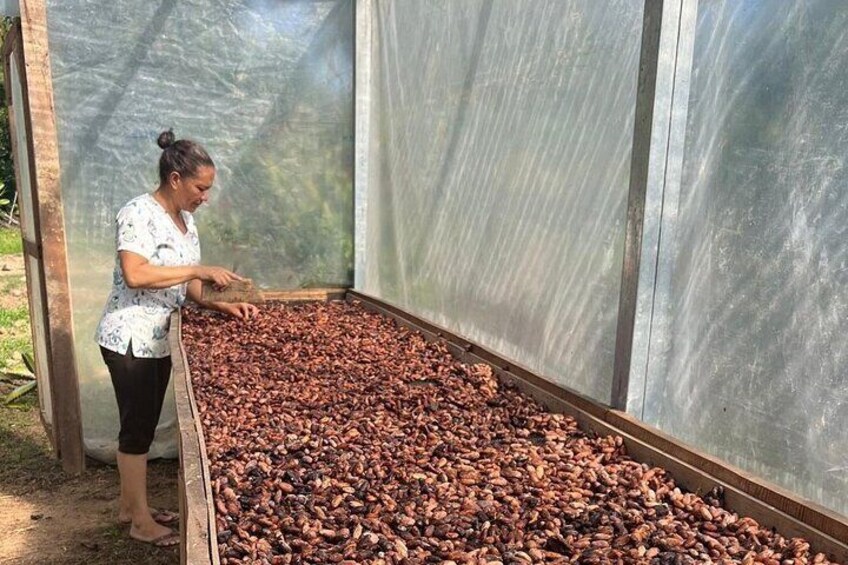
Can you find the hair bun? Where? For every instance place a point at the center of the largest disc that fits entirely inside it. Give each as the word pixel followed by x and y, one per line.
pixel 166 139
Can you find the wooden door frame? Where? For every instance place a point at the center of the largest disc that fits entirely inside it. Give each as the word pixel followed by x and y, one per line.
pixel 28 37
pixel 31 248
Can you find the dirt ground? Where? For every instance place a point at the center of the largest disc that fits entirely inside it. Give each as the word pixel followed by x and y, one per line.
pixel 12 270
pixel 46 516
pixel 11 264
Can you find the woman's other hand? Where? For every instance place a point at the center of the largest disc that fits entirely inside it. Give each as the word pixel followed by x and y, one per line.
pixel 218 276
pixel 240 310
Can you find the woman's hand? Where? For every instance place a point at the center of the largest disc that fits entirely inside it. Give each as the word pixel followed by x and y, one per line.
pixel 240 310
pixel 219 276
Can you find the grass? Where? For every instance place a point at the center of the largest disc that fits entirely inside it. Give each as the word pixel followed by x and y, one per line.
pixel 10 283
pixel 11 317
pixel 15 337
pixel 23 445
pixel 10 242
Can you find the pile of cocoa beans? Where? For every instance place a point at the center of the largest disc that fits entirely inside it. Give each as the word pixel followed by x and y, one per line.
pixel 337 436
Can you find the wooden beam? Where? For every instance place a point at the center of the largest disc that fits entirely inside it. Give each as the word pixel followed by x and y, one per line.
pixel 639 162
pixel 13 59
pixel 305 295
pixel 745 494
pixel 44 152
pixel 362 67
pixel 198 531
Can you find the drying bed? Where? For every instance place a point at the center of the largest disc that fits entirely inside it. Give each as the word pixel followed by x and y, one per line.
pixel 335 435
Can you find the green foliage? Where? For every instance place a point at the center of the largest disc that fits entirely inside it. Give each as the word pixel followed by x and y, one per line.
pixel 10 242
pixel 287 226
pixel 9 317
pixel 14 343
pixel 29 362
pixel 7 168
pixel 20 391
pixel 286 215
pixel 14 338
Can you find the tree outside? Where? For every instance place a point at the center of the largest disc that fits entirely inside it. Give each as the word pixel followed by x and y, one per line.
pixel 7 169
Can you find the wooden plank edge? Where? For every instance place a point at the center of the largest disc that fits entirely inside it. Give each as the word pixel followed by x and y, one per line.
pixel 807 511
pixel 196 533
pixel 305 294
pixel 192 530
pixel 744 493
pixel 205 470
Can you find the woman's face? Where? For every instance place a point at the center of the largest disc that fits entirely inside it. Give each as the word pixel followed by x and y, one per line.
pixel 193 191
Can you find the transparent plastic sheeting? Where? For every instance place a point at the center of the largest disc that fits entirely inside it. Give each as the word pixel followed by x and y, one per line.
pixel 266 86
pixel 10 8
pixel 748 350
pixel 499 163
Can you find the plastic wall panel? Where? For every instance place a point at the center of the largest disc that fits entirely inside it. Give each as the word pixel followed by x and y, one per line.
pixel 265 86
pixel 10 8
pixel 748 349
pixel 499 170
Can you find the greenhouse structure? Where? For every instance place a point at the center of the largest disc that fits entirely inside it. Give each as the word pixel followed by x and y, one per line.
pixel 632 205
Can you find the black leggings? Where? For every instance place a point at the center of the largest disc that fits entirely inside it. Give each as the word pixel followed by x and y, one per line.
pixel 140 385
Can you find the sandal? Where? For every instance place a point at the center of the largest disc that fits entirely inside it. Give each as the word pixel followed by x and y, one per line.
pixel 166 517
pixel 170 539
pixel 162 517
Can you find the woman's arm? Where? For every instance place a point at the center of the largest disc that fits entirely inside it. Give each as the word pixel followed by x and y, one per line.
pixel 139 273
pixel 240 310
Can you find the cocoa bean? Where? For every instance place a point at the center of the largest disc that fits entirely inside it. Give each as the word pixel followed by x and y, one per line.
pixel 336 436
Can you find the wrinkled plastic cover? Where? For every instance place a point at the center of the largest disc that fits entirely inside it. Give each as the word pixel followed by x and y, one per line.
pixel 748 351
pixel 265 86
pixel 10 8
pixel 500 159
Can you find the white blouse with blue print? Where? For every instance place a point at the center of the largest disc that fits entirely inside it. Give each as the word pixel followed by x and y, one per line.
pixel 139 315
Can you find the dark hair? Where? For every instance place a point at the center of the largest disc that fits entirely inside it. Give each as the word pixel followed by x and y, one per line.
pixel 182 156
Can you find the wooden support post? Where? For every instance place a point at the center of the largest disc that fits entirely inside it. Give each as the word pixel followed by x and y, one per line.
pixel 639 161
pixel 44 152
pixel 362 133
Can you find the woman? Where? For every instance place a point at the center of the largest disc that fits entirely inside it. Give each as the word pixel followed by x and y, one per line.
pixel 157 267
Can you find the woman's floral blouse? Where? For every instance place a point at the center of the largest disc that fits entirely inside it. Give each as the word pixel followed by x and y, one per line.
pixel 142 316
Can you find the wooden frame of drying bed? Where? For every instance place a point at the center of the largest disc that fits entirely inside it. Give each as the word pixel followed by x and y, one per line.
pixel 695 471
